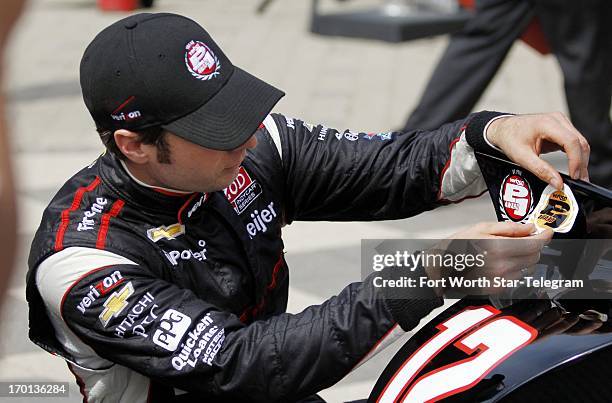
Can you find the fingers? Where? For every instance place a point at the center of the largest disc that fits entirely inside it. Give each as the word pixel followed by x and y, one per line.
pixel 508 229
pixel 559 130
pixel 584 145
pixel 541 169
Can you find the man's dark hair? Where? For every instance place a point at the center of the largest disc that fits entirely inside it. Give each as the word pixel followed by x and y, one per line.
pixel 151 135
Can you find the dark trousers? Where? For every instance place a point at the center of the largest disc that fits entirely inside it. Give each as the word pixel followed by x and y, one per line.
pixel 580 36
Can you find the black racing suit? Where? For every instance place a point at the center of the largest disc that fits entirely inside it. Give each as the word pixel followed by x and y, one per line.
pixel 147 292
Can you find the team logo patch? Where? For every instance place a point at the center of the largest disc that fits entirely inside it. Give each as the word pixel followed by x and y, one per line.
pixel 116 303
pixel 166 232
pixel 201 61
pixel 515 197
pixel 242 191
pixel 556 210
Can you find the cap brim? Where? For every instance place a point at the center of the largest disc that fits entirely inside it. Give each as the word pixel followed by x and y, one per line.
pixel 230 117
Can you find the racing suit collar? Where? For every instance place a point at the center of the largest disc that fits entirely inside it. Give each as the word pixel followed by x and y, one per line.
pixel 159 201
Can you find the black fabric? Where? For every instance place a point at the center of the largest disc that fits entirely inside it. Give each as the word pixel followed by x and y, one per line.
pixel 231 117
pixel 579 33
pixel 474 133
pixel 221 254
pixel 407 306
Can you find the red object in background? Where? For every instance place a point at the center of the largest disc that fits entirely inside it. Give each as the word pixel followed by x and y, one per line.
pixel 533 35
pixel 117 5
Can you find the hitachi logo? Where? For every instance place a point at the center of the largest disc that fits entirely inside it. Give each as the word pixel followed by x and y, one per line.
pixel 260 219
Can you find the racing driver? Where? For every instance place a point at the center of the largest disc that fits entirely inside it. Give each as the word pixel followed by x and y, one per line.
pixel 157 271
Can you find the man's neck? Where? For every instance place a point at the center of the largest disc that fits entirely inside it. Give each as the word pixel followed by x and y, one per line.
pixel 141 178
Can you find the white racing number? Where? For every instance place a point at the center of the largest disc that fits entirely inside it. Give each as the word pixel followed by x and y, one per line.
pixel 493 341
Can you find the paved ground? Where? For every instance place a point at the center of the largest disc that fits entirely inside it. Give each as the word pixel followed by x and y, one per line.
pixel 343 83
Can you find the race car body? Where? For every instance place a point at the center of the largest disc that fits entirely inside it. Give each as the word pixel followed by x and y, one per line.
pixel 544 344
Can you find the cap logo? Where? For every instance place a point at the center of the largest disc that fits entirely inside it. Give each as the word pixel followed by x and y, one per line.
pixel 201 61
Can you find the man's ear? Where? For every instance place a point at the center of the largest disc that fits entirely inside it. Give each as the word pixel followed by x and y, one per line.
pixel 131 146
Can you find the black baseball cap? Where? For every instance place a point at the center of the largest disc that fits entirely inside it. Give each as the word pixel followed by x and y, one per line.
pixel 165 70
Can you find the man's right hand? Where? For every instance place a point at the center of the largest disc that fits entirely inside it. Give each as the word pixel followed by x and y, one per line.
pixel 511 250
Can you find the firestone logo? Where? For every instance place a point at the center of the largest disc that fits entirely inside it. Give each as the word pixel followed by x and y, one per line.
pixel 201 61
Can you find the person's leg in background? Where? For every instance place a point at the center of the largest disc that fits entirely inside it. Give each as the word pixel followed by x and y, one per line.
pixel 580 36
pixel 470 62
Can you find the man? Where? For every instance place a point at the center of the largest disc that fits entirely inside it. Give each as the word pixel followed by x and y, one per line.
pixel 580 36
pixel 158 271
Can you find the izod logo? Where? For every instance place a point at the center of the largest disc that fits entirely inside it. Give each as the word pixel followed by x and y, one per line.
pixel 239 185
pixel 242 191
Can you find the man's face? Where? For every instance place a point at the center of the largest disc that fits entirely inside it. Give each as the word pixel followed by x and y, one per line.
pixel 195 168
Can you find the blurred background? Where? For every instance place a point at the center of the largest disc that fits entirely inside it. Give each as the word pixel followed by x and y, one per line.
pixel 343 82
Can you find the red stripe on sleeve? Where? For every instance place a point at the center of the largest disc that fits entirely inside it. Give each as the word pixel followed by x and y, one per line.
pixel 78 196
pixel 105 222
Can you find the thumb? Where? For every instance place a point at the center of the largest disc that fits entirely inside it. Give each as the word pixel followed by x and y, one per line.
pixel 511 229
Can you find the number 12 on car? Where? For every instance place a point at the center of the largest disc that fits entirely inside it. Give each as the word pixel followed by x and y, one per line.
pixel 475 329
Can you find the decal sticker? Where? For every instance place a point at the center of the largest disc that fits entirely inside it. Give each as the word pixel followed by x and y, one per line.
pixel 515 197
pixel 201 61
pixel 557 210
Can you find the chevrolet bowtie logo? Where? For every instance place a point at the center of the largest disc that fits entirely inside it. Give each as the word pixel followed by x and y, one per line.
pixel 170 232
pixel 116 303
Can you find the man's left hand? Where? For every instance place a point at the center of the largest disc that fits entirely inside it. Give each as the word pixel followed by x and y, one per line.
pixel 524 137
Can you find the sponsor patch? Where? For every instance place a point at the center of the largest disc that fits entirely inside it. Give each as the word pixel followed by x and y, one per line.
pixel 116 303
pixel 88 221
pixel 169 232
pixel 290 122
pixel 242 191
pixel 349 135
pixel 557 210
pixel 383 136
pixel 515 197
pixel 197 205
pixel 201 62
pixel 119 116
pixel 172 326
pixel 260 219
pixel 174 256
pixel 100 289
pixel 132 322
pixel 201 344
pixel 322 133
